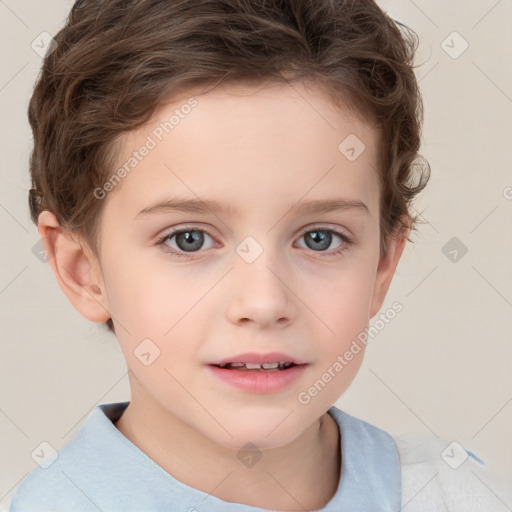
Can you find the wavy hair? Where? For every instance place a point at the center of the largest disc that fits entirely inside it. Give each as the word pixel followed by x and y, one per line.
pixel 116 61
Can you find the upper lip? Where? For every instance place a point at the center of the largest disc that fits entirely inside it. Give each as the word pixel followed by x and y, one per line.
pixel 255 358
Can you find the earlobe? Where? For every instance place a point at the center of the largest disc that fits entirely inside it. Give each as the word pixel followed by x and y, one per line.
pixel 386 269
pixel 77 272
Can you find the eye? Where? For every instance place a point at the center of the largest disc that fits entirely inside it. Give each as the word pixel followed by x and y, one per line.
pixel 187 240
pixel 319 239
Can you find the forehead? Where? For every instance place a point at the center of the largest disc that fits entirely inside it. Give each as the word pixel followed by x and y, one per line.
pixel 242 142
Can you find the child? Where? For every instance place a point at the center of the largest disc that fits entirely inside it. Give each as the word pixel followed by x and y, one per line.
pixel 191 161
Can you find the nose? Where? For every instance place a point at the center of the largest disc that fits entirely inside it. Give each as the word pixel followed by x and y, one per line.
pixel 261 293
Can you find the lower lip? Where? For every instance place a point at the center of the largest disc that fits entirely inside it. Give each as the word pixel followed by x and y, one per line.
pixel 252 381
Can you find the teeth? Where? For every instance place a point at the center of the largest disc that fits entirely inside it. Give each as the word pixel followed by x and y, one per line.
pixel 257 366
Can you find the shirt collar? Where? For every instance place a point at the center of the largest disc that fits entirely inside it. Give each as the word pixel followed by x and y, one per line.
pixel 370 472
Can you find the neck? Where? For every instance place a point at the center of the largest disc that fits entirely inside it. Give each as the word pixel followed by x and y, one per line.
pixel 302 475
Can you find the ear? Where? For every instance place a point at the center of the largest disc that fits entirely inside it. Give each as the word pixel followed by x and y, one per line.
pixel 75 267
pixel 386 269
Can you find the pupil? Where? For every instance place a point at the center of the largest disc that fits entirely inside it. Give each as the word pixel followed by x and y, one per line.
pixel 193 240
pixel 319 237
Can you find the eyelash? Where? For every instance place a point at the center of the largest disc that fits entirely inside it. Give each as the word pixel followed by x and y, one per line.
pixel 347 241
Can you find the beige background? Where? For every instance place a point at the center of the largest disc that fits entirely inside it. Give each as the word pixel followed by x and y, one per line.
pixel 443 365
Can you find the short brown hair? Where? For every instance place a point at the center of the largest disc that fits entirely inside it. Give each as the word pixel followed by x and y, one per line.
pixel 116 61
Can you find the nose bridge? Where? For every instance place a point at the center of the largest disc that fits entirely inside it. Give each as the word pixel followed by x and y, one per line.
pixel 260 289
pixel 261 256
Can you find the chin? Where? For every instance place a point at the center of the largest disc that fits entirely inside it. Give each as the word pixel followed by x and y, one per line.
pixel 263 431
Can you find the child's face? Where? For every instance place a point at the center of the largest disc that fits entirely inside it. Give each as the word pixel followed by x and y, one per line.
pixel 250 283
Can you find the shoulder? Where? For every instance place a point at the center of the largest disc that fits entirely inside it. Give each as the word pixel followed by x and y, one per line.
pixel 77 475
pixel 435 475
pixel 439 476
pixel 53 485
pixel 360 428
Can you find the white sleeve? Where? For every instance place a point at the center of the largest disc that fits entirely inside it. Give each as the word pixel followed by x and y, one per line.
pixel 439 476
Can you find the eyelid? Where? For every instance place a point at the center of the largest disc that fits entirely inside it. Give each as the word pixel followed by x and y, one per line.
pixel 324 227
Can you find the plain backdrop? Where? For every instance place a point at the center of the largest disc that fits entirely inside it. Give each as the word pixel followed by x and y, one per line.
pixel 442 366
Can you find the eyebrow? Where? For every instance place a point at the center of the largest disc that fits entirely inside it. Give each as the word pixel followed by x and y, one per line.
pixel 316 206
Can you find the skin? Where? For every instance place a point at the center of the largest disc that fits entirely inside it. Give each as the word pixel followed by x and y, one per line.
pixel 260 150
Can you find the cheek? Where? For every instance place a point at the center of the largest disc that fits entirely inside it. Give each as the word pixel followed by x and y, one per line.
pixel 146 300
pixel 342 301
pixel 159 311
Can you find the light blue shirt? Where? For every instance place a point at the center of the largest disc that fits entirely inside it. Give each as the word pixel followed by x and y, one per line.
pixel 102 470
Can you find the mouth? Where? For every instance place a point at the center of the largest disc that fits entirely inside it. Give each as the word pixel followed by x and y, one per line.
pixel 263 362
pixel 258 373
pixel 276 366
